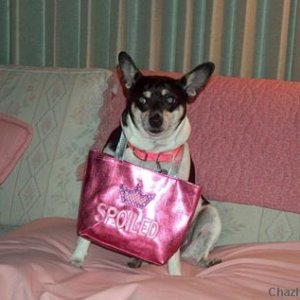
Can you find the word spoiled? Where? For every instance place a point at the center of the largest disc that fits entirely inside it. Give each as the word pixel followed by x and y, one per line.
pixel 127 220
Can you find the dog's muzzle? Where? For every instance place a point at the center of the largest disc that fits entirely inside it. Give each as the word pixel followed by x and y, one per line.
pixel 156 121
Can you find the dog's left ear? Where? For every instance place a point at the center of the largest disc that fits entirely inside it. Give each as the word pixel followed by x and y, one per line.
pixel 195 80
pixel 129 70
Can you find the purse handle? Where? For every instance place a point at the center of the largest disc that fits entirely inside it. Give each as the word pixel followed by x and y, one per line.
pixel 173 171
pixel 122 145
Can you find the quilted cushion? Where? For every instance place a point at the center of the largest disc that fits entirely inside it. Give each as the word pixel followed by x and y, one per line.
pixel 15 138
pixel 62 106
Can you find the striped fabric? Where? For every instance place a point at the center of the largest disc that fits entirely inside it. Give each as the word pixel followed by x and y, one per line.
pixel 245 38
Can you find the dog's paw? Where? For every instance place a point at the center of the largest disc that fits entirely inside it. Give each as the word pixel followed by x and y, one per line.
pixel 76 261
pixel 80 252
pixel 135 263
pixel 210 262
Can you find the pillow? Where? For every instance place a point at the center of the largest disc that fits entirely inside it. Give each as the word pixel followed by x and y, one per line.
pixel 62 107
pixel 16 136
pixel 244 142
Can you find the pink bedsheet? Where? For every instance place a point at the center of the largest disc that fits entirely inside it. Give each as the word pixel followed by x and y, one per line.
pixel 34 265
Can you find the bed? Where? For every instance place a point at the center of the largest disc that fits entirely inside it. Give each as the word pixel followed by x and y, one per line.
pixel 246 147
pixel 34 265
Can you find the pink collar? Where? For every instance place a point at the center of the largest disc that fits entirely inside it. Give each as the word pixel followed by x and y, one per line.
pixel 167 156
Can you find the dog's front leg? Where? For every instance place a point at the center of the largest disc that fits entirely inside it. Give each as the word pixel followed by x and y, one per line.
pixel 80 252
pixel 174 265
pixel 206 230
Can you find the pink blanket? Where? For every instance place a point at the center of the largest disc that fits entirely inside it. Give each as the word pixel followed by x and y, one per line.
pixel 245 139
pixel 34 265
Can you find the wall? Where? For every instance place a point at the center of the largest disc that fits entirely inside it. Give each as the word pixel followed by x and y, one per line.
pixel 247 38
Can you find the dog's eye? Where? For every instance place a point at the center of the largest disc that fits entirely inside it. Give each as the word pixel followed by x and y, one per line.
pixel 142 100
pixel 170 99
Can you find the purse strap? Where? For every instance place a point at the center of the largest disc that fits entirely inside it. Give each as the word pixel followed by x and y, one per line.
pixel 122 145
pixel 173 171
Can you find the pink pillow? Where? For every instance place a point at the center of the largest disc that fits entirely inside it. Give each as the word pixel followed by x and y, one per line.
pixel 245 139
pixel 15 138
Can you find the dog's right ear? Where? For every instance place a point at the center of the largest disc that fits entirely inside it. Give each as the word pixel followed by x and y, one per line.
pixel 195 80
pixel 129 70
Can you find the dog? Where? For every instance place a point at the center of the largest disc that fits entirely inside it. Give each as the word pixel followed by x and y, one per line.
pixel 155 121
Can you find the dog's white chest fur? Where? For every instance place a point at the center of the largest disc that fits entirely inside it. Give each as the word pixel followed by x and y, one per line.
pixel 170 141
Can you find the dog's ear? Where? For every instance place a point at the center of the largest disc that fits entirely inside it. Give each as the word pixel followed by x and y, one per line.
pixel 129 70
pixel 195 80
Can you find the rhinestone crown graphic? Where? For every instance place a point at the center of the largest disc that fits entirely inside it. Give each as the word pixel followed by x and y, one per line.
pixel 135 197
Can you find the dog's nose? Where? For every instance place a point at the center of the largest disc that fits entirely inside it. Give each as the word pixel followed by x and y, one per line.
pixel 155 120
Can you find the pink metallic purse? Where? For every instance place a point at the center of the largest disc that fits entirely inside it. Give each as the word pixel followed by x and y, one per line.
pixel 133 210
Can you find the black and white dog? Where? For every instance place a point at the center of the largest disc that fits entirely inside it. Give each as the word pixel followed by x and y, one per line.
pixel 155 122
